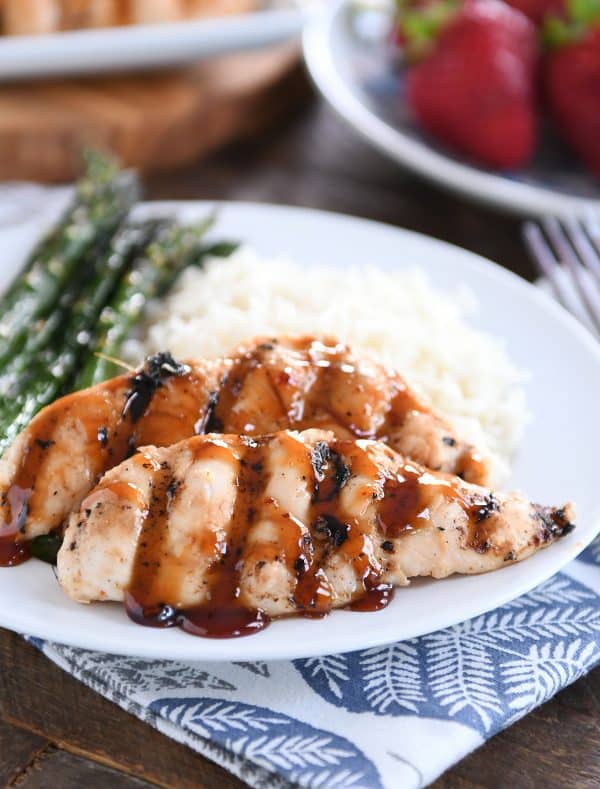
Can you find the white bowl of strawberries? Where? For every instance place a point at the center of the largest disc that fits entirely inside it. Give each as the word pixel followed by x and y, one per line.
pixel 499 99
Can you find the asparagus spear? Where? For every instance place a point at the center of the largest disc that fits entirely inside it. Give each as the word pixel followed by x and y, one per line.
pixel 99 171
pixel 102 201
pixel 73 319
pixel 220 249
pixel 150 276
pixel 34 380
pixel 46 547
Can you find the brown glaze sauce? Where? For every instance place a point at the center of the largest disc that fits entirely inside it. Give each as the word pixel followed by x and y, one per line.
pixel 402 504
pixel 400 507
pixel 311 384
pixel 374 599
pixel 12 550
pixel 358 547
pixel 154 588
pixel 316 385
pixel 398 497
pixel 17 501
pixel 317 388
pixel 109 435
pixel 472 466
pixel 151 599
pixel 123 490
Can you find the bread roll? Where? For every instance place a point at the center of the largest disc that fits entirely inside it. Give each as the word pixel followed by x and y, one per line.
pixel 77 14
pixel 208 8
pixel 150 11
pixel 25 17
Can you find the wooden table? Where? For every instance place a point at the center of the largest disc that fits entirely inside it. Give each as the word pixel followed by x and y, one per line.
pixel 57 733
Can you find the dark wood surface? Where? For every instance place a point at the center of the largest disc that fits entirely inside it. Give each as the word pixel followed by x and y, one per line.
pixel 151 121
pixel 54 732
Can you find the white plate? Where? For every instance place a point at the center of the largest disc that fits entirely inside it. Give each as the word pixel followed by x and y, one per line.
pixel 146 46
pixel 352 61
pixel 558 460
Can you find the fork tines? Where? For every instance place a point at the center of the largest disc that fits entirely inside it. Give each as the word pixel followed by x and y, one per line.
pixel 566 252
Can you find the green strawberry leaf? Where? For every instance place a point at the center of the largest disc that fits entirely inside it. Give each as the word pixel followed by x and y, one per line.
pixel 584 12
pixel 421 24
pixel 557 33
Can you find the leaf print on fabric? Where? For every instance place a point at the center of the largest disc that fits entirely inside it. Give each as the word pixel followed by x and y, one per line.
pixel 506 627
pixel 259 668
pixel 332 670
pixel 544 670
pixel 462 673
pixel 288 753
pixel 591 555
pixel 302 753
pixel 329 779
pixel 557 590
pixel 393 677
pixel 124 674
pixel 209 716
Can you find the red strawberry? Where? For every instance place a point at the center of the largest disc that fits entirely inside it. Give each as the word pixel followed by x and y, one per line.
pixel 475 87
pixel 538 10
pixel 572 79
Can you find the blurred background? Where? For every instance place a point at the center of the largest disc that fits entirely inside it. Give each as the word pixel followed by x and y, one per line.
pixel 308 103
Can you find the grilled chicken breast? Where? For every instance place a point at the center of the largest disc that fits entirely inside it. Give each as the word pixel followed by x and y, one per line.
pixel 218 533
pixel 267 386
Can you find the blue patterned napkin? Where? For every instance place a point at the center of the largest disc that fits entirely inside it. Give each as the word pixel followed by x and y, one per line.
pixel 386 717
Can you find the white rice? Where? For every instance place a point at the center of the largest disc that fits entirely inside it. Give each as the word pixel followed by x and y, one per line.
pixel 396 316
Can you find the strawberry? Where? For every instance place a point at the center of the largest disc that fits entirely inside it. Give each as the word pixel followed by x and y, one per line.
pixel 538 10
pixel 572 78
pixel 473 83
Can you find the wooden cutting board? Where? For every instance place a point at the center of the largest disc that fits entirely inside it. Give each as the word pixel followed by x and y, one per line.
pixel 153 121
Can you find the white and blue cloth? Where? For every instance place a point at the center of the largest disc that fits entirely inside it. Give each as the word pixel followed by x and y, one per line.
pixel 392 716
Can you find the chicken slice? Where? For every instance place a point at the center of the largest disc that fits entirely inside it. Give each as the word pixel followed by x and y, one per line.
pixel 219 533
pixel 263 387
pixel 61 455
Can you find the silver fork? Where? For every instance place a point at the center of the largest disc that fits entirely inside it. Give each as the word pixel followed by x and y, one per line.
pixel 566 252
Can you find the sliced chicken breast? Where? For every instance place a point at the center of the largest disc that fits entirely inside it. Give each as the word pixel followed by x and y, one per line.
pixel 264 387
pixel 219 532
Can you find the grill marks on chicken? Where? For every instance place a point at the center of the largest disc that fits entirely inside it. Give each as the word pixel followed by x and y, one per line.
pixel 218 534
pixel 61 455
pixel 294 383
pixel 302 383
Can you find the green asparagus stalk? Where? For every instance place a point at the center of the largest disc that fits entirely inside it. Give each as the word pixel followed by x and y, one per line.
pixel 103 198
pixel 46 547
pixel 150 276
pixel 220 249
pixel 78 310
pixel 99 171
pixel 151 273
pixel 34 380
